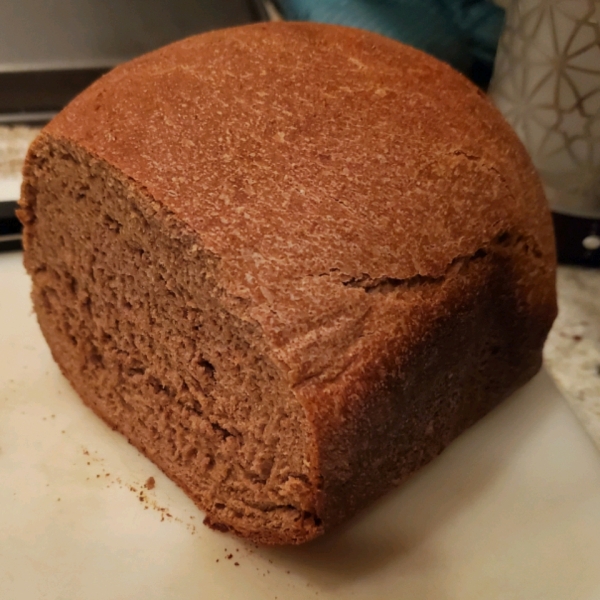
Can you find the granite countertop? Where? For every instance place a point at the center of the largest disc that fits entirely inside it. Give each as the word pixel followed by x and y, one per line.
pixel 13 146
pixel 571 354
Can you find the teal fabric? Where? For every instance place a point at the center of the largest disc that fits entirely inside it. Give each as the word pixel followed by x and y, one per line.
pixel 463 33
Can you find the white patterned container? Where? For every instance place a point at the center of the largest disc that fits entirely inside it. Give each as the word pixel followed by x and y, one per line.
pixel 547 84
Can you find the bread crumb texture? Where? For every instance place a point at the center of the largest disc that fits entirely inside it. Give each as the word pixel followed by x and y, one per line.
pixel 290 262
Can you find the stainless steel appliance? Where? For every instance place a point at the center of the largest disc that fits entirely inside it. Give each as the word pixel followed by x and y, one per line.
pixel 52 49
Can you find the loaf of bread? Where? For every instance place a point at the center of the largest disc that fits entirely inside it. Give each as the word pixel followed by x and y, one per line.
pixel 290 263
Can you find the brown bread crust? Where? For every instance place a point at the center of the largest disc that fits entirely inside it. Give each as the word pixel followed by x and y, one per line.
pixel 358 205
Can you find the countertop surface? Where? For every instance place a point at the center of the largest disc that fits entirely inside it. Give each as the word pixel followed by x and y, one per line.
pixel 572 352
pixel 13 146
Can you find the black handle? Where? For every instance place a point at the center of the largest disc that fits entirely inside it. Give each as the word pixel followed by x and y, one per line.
pixel 10 227
pixel 577 239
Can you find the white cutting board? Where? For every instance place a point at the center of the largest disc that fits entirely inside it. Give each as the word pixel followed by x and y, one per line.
pixel 510 511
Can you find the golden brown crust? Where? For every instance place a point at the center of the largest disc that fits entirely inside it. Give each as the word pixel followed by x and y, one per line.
pixel 369 207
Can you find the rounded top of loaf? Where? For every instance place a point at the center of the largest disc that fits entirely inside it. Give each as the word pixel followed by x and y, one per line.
pixel 304 153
